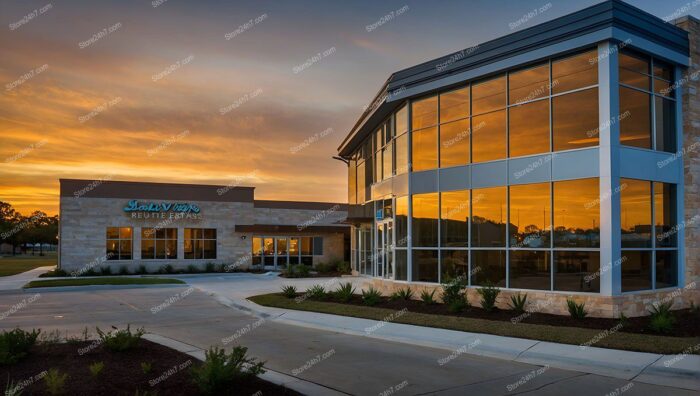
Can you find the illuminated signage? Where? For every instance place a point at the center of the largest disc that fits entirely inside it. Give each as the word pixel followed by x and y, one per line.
pixel 162 210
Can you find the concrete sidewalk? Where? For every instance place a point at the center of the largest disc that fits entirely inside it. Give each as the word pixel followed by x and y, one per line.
pixel 15 282
pixel 681 371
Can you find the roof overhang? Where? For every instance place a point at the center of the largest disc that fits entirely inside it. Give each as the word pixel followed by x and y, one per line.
pixel 612 20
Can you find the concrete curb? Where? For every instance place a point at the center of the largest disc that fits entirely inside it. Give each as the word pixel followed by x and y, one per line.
pixel 642 367
pixel 275 377
pixel 99 287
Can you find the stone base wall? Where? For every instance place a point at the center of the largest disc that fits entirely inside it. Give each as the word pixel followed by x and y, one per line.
pixel 632 305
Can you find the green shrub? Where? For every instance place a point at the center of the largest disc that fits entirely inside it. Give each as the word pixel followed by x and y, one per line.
pixel 54 273
pixel 120 340
pixel 518 302
pixel 90 272
pixel 220 371
pixel 12 389
pixel 661 319
pixel 209 267
pixel 488 295
pixel 96 368
pixel 577 311
pixel 55 382
pixel 458 305
pixel 15 345
pixel 453 291
pixel 146 367
pixel 192 269
pixel 105 271
pixel 344 292
pixel 297 271
pixel 289 291
pixel 325 268
pixel 167 269
pixel 316 292
pixel 343 267
pixel 428 298
pixel 371 297
pixel 142 270
pixel 123 270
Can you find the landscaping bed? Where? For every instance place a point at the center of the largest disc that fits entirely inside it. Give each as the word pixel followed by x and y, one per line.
pixel 145 368
pixel 101 281
pixel 633 334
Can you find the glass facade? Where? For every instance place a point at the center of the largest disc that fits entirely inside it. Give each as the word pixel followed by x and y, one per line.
pixel 543 234
pixel 278 251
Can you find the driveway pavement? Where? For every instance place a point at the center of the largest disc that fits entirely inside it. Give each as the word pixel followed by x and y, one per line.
pixel 350 364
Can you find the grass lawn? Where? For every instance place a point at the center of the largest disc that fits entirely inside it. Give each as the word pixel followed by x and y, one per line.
pixel 101 281
pixel 14 265
pixel 564 335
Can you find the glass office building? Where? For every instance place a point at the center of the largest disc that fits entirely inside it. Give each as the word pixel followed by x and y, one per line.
pixel 542 161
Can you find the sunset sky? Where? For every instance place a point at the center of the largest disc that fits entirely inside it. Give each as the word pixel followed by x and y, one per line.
pixel 116 104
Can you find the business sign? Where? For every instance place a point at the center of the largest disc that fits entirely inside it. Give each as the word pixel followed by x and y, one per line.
pixel 162 210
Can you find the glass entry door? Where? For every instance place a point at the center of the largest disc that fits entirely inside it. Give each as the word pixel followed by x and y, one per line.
pixel 384 252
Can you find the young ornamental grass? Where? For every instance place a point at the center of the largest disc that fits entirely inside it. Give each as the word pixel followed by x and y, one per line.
pixel 96 368
pixel 661 319
pixel 454 296
pixel 55 382
pixel 402 294
pixel 15 345
pixel 344 292
pixel 577 311
pixel 121 340
pixel 488 295
pixel 428 298
pixel 371 296
pixel 289 291
pixel 221 372
pixel 518 302
pixel 317 292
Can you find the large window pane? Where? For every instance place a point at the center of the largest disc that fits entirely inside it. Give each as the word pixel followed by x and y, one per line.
pixel 454 105
pixel 577 213
pixel 530 219
pixel 425 220
pixel 425 266
pixel 401 144
pixel 488 217
pixel 425 149
pixel 529 128
pixel 489 137
pixel 488 267
pixel 635 118
pixel 574 72
pixel 352 182
pixel 634 71
pixel 388 160
pixel 665 214
pixel 666 269
pixel 575 120
pixel 665 125
pixel 453 264
pixel 424 113
pixel 401 264
pixel 529 84
pixel 489 95
pixel 635 213
pixel 529 269
pixel 402 120
pixel 402 221
pixel 361 183
pixel 454 143
pixel 636 270
pixel 454 218
pixel 577 271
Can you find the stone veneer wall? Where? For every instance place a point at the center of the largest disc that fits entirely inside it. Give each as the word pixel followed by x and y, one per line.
pixel 84 222
pixel 691 156
pixel 631 305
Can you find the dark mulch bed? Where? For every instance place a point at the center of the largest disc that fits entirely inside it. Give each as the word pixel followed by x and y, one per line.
pixel 122 373
pixel 687 321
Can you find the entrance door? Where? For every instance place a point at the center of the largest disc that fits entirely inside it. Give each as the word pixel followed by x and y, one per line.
pixel 384 252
